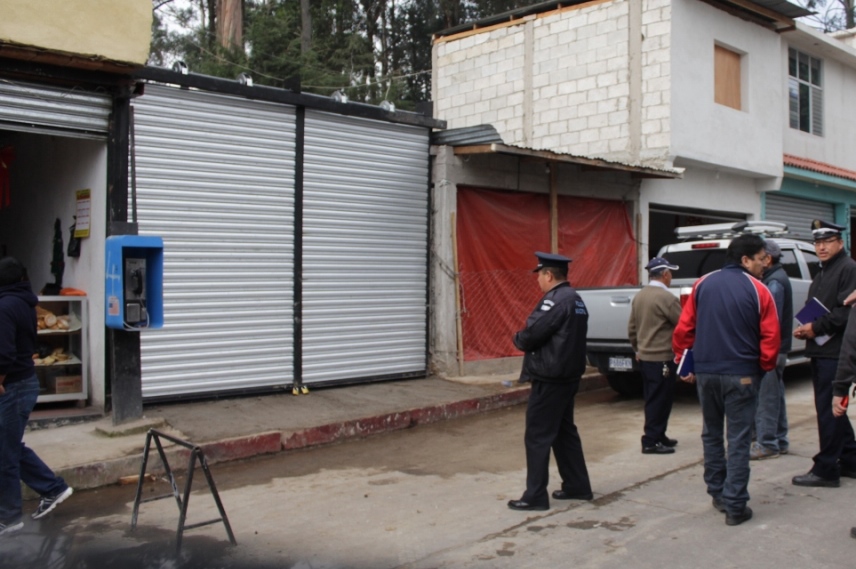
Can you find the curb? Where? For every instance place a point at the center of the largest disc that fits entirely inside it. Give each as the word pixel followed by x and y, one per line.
pixel 108 472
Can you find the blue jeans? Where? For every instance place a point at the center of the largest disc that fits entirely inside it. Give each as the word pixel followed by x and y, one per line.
pixel 17 462
pixel 727 400
pixel 771 419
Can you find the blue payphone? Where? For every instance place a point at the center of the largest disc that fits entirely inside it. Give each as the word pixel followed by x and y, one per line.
pixel 134 286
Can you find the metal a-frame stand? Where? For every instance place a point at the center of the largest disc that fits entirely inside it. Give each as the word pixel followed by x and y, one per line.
pixel 182 501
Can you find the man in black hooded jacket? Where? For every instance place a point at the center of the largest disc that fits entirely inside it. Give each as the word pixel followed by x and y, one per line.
pixel 19 389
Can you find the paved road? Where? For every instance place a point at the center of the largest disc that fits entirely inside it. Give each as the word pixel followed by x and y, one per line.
pixel 434 497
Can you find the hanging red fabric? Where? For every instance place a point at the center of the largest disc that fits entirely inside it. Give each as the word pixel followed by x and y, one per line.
pixel 7 156
pixel 498 232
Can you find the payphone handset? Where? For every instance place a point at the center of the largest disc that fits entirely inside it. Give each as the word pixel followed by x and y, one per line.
pixel 134 278
pixel 134 285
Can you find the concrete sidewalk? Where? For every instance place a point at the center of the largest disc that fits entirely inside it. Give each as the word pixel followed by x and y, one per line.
pixel 95 453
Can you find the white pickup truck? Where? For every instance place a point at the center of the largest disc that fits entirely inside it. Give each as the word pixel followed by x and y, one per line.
pixel 701 250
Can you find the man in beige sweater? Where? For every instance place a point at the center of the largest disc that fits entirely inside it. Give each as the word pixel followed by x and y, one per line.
pixel 653 317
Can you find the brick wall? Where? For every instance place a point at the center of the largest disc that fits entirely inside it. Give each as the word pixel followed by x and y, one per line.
pixel 561 81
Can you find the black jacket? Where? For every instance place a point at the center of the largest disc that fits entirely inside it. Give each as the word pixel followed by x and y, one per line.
pixel 846 373
pixel 17 331
pixel 554 340
pixel 779 284
pixel 836 279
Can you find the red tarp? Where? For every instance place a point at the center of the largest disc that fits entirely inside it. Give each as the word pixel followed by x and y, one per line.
pixel 498 233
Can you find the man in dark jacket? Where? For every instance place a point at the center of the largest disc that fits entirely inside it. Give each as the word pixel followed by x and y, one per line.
pixel 19 389
pixel 771 419
pixel 836 279
pixel 845 375
pixel 554 346
pixel 730 323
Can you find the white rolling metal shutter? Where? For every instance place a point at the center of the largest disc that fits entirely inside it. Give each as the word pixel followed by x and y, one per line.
pixel 797 213
pixel 365 221
pixel 37 108
pixel 215 179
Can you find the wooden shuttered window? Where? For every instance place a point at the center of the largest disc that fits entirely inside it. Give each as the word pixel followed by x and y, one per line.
pixel 727 77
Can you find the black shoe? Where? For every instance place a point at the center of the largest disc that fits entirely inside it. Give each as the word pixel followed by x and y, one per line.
pixel 667 442
pixel 812 479
pixel 848 472
pixel 562 495
pixel 744 516
pixel 853 533
pixel 521 505
pixel 719 504
pixel 658 448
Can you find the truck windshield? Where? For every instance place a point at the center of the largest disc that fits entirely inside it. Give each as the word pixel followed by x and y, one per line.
pixel 696 262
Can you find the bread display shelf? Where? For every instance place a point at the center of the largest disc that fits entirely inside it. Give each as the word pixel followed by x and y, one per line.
pixel 71 361
pixel 63 337
pixel 74 325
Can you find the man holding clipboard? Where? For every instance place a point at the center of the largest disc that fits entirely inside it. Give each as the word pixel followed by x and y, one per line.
pixel 823 336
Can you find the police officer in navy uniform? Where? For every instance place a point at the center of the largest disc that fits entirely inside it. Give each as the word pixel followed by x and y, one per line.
pixel 554 346
pixel 836 279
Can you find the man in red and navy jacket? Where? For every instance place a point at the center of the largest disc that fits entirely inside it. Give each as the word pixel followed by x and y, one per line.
pixel 731 325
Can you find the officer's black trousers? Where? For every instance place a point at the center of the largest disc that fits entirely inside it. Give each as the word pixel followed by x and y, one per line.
pixel 837 444
pixel 550 424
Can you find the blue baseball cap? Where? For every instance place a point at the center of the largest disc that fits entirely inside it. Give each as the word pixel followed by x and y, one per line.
pixel 658 264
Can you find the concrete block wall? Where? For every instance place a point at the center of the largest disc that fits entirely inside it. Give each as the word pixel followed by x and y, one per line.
pixel 479 80
pixel 561 81
pixel 580 89
pixel 655 105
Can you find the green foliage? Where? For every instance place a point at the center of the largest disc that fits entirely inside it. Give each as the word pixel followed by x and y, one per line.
pixel 373 50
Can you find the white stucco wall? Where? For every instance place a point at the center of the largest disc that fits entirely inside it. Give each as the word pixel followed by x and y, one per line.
pixel 839 93
pixel 700 189
pixel 562 81
pixel 105 29
pixel 747 140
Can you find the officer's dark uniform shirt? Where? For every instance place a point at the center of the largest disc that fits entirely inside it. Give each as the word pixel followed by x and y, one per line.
pixel 836 279
pixel 554 340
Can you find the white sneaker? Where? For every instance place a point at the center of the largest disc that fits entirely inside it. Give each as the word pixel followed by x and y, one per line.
pixel 47 504
pixel 11 528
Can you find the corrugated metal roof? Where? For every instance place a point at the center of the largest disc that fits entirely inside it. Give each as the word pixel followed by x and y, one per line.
pixel 509 16
pixel 780 7
pixel 819 167
pixel 465 136
pixel 484 139
pixel 784 8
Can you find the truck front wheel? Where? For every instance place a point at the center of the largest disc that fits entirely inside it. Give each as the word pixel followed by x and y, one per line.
pixel 626 384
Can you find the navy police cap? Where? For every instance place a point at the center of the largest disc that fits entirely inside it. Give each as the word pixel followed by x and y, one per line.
pixel 824 230
pixel 550 260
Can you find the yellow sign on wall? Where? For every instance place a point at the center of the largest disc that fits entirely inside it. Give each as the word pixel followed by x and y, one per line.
pixel 83 214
